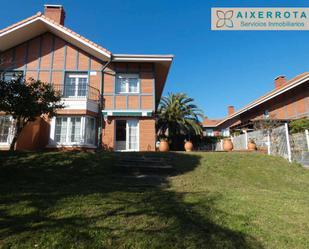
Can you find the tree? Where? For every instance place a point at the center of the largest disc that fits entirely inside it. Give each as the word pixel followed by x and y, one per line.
pixel 25 101
pixel 179 116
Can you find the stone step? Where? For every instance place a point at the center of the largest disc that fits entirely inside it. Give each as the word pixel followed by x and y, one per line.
pixel 145 166
pixel 147 180
pixel 144 158
pixel 141 160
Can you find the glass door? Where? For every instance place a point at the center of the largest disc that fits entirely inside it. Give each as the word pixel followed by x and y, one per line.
pixel 121 137
pixel 132 135
pixel 127 135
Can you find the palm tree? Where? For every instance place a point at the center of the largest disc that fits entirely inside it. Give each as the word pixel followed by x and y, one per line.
pixel 179 116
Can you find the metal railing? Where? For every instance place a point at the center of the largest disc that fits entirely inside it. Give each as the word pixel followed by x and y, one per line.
pixel 77 91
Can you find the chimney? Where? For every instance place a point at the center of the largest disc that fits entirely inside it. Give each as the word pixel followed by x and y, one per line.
pixel 280 81
pixel 230 110
pixel 55 12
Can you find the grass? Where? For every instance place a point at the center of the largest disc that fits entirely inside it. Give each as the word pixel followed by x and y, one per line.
pixel 213 200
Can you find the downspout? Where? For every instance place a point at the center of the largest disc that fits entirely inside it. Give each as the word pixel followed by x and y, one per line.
pixel 101 102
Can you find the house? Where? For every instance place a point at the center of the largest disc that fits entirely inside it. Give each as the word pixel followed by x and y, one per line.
pixel 211 129
pixel 110 99
pixel 288 100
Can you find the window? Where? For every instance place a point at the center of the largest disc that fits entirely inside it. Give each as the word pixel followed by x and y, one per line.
pixel 127 83
pixel 76 85
pixel 132 135
pixel 225 132
pixel 61 129
pixel 209 132
pixel 90 131
pixel 11 75
pixel 5 129
pixel 74 130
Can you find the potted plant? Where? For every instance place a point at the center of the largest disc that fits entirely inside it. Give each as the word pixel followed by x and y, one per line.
pixel 164 146
pixel 188 145
pixel 227 144
pixel 251 145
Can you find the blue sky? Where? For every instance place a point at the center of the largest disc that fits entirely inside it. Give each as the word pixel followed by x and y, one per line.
pixel 216 68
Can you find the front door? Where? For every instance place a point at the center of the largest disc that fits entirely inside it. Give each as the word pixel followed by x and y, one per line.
pixel 127 135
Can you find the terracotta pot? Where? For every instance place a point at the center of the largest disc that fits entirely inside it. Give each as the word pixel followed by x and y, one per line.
pixel 188 146
pixel 251 146
pixel 227 145
pixel 164 147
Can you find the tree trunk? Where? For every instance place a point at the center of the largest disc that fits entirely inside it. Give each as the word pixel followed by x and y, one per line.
pixel 17 131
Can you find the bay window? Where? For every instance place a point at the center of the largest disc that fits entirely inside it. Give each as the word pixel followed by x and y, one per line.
pixel 6 129
pixel 73 130
pixel 127 83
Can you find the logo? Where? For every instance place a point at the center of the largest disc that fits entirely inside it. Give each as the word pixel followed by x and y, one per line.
pixel 224 19
pixel 259 18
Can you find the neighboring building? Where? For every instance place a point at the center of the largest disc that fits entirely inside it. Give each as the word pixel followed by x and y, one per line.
pixel 289 100
pixel 210 127
pixel 110 99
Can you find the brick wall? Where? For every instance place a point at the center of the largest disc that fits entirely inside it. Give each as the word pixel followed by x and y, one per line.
pixel 47 57
pixel 35 135
pixel 108 138
pixel 147 135
pixel 143 100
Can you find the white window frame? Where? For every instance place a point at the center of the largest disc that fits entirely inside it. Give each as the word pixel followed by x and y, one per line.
pixel 127 135
pixel 127 76
pixel 77 76
pixel 82 142
pixel 10 133
pixel 209 132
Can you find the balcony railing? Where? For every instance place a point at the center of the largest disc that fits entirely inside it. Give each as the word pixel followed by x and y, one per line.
pixel 78 91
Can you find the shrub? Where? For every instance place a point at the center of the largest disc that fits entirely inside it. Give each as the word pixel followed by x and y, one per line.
pixel 299 125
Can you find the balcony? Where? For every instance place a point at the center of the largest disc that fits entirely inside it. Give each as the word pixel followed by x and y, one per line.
pixel 79 97
pixel 78 92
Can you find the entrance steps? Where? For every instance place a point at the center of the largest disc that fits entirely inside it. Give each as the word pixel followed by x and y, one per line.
pixel 145 164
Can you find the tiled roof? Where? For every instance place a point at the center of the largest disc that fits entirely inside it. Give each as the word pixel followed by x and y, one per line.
pixel 40 15
pixel 76 34
pixel 21 22
pixel 268 95
pixel 211 122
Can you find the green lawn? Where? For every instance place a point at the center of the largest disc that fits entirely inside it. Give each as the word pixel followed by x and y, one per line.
pixel 213 200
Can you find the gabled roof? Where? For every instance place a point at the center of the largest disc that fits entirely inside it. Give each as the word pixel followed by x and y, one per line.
pixel 39 24
pixel 296 81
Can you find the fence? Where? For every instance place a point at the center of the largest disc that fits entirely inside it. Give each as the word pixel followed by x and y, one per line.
pixel 278 142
